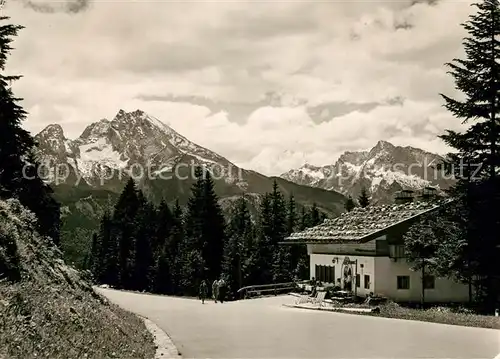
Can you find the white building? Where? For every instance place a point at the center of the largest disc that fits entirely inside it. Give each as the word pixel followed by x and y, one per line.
pixel 363 251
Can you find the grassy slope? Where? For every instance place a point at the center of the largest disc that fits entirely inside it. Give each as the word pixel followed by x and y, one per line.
pixel 50 311
pixel 441 315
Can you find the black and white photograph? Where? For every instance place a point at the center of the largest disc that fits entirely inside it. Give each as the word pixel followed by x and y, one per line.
pixel 249 179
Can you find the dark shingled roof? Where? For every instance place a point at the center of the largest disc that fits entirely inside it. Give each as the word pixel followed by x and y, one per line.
pixel 362 222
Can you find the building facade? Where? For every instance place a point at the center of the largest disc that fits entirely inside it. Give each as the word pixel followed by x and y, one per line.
pixel 363 251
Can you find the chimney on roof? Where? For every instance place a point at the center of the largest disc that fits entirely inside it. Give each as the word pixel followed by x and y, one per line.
pixel 404 196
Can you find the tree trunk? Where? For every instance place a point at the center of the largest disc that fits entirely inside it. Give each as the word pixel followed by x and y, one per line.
pixel 423 283
pixel 240 285
pixel 470 290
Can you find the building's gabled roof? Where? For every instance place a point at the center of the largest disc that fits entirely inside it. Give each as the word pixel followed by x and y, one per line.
pixel 362 223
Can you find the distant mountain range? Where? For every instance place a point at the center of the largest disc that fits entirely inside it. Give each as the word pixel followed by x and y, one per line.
pixel 383 171
pixel 89 172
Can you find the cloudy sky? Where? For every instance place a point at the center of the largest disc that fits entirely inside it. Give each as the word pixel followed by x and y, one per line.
pixel 269 85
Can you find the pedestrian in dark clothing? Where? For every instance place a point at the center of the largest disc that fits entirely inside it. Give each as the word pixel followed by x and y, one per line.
pixel 222 290
pixel 203 291
pixel 215 290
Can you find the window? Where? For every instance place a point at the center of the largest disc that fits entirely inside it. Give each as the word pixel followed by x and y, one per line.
pixel 325 273
pixel 358 280
pixel 397 251
pixel 403 282
pixel 429 282
pixel 367 281
pixel 332 274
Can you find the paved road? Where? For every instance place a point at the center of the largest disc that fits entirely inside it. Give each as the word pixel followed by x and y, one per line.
pixel 263 328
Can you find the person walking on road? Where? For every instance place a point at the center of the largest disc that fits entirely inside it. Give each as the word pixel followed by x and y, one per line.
pixel 222 289
pixel 203 291
pixel 215 290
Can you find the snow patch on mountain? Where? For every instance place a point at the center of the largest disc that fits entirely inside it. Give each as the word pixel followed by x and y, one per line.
pixel 99 153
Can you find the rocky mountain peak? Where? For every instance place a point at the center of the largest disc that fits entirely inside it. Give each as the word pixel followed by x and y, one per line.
pixel 54 131
pixel 121 113
pixel 382 144
pixel 381 147
pixel 129 139
pixel 96 130
pixel 53 145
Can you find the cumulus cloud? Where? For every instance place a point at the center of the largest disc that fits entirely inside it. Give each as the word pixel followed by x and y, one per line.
pixel 269 85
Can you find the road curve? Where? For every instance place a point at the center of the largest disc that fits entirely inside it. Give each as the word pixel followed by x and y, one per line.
pixel 263 328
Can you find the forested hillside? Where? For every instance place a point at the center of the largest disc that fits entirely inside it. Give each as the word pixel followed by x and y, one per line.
pixel 170 249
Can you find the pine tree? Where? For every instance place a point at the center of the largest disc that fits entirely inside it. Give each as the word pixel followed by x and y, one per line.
pixel 104 261
pixel 205 233
pixel 237 254
pixel 264 247
pixel 15 142
pixel 124 231
pixel 214 229
pixel 364 199
pixel 476 160
pixel 163 252
pixel 291 216
pixel 143 250
pixel 19 178
pixel 192 259
pixel 299 256
pixel 163 226
pixel 282 271
pixel 349 204
pixel 177 249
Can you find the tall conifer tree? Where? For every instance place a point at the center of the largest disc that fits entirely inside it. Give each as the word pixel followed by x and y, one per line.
pixel 163 251
pixel 264 247
pixel 205 233
pixel 237 255
pixel 282 256
pixel 124 231
pixel 104 257
pixel 18 166
pixel 476 160
pixel 176 246
pixel 143 249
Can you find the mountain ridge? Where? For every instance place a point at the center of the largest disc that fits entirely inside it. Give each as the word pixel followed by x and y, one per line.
pixel 383 170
